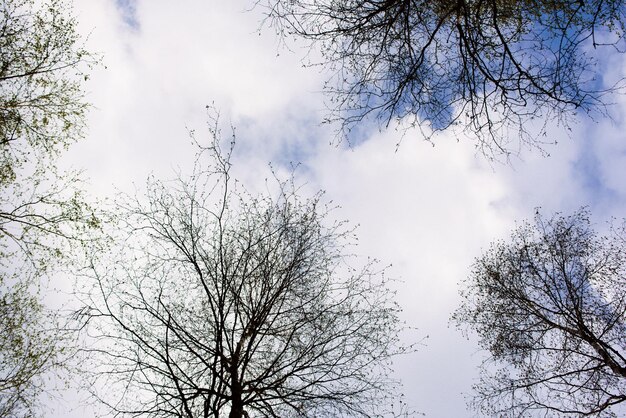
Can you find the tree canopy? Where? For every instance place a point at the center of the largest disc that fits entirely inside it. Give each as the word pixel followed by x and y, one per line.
pixel 550 308
pixel 490 67
pixel 217 302
pixel 42 111
pixel 43 213
pixel 41 68
pixel 33 348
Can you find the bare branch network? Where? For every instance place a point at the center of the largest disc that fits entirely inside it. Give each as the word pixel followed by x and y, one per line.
pixel 222 303
pixel 550 307
pixel 490 67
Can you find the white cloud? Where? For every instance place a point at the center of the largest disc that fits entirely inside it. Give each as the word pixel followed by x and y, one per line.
pixel 427 210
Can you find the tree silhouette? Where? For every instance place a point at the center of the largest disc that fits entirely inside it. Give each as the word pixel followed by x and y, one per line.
pixel 550 307
pixel 43 213
pixel 219 302
pixel 489 67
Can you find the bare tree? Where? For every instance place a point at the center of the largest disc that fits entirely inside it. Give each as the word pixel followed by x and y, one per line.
pixel 219 302
pixel 550 307
pixel 488 66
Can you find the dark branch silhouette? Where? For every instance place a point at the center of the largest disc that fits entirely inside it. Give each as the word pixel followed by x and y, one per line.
pixel 550 307
pixel 224 303
pixel 490 67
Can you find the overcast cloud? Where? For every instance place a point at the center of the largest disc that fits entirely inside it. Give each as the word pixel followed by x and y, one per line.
pixel 427 210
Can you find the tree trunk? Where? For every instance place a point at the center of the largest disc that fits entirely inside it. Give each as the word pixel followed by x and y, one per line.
pixel 236 403
pixel 236 409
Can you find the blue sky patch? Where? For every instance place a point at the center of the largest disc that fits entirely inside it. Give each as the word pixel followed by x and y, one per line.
pixel 128 11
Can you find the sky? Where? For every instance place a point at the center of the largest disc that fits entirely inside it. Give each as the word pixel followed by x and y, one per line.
pixel 427 209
